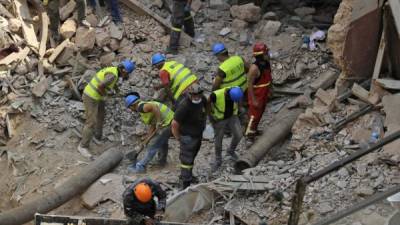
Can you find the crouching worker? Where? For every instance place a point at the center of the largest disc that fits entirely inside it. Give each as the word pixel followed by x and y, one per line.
pixel 159 117
pixel 139 205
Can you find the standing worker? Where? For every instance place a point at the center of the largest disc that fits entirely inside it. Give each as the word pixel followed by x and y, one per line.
pixel 175 77
pixel 53 11
pixel 232 70
pixel 187 127
pixel 159 117
pixel 224 113
pixel 139 204
pixel 259 81
pixel 181 16
pixel 99 86
pixel 114 7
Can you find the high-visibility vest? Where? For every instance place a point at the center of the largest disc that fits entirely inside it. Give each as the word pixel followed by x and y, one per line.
pixel 91 88
pixel 167 115
pixel 235 74
pixel 218 107
pixel 180 77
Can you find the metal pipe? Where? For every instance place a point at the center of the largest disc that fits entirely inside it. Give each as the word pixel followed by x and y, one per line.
pixel 271 136
pixel 64 192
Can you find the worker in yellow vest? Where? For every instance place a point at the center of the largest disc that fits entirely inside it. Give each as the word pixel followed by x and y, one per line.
pixel 175 77
pixel 159 117
pixel 224 114
pixel 101 85
pixel 232 70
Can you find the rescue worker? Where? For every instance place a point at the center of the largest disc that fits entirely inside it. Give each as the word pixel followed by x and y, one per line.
pixel 175 77
pixel 53 7
pixel 187 127
pixel 181 17
pixel 102 83
pixel 159 117
pixel 224 114
pixel 259 81
pixel 139 205
pixel 232 70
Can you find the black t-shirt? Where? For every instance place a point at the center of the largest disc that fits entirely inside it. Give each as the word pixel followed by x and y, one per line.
pixel 228 105
pixel 191 117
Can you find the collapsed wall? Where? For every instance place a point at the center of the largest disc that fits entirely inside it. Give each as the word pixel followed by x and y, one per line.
pixel 354 39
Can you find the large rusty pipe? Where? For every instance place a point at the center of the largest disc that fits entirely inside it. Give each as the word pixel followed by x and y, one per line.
pixel 271 136
pixel 64 192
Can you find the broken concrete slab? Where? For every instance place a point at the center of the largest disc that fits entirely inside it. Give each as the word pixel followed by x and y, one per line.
pixel 389 84
pixel 28 30
pixel 108 187
pixel 85 38
pixel 304 11
pixel 107 59
pixel 116 32
pixel 248 12
pixel 14 25
pixel 68 28
pixel 15 56
pixel 102 37
pixel 66 54
pixel 324 80
pixel 92 19
pixel 67 10
pixel 270 28
pixel 41 87
pixel 360 92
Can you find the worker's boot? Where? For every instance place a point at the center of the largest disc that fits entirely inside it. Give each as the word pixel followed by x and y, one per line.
pixel 183 184
pixel 84 151
pixel 136 168
pixel 217 162
pixel 173 42
pixel 233 155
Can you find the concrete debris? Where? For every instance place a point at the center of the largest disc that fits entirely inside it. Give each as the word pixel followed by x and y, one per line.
pixel 304 11
pixel 270 16
pixel 248 12
pixel 103 37
pixel 116 32
pixel 85 38
pixel 219 5
pixel 225 31
pixel 238 24
pixel 68 28
pixel 92 19
pixel 107 59
pixel 67 10
pixel 270 28
pixel 14 25
pixel 41 87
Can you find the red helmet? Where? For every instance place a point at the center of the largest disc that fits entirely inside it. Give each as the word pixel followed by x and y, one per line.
pixel 259 48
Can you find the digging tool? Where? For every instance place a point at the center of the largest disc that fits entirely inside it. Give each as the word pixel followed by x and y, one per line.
pixel 132 155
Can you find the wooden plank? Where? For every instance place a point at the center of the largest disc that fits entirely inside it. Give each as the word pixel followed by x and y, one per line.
pixel 389 84
pixel 57 51
pixel 5 12
pixel 254 179
pixel 241 186
pixel 41 219
pixel 395 6
pixel 141 9
pixel 15 56
pixel 22 10
pixel 360 92
pixel 379 57
pixel 44 34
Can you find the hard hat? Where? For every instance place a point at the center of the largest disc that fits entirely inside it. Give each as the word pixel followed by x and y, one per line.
pixel 218 48
pixel 236 94
pixel 259 48
pixel 128 65
pixel 195 89
pixel 157 58
pixel 143 192
pixel 130 99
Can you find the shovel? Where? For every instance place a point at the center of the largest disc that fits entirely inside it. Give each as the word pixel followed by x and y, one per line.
pixel 132 155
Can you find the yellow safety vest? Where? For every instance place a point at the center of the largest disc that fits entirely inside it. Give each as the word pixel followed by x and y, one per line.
pixel 167 115
pixel 45 2
pixel 180 77
pixel 91 88
pixel 218 107
pixel 234 72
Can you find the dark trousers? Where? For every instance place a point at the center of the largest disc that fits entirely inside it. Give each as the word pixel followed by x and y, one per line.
pixel 54 15
pixel 180 18
pixel 190 146
pixel 113 4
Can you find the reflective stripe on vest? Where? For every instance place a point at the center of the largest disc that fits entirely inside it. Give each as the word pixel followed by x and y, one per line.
pixel 167 115
pixel 180 77
pixel 91 88
pixel 218 107
pixel 262 85
pixel 234 72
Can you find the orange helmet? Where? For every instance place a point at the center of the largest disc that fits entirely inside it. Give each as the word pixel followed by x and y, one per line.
pixel 259 48
pixel 143 192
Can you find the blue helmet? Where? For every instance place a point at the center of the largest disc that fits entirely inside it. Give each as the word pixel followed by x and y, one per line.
pixel 157 58
pixel 130 99
pixel 236 94
pixel 128 65
pixel 218 48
